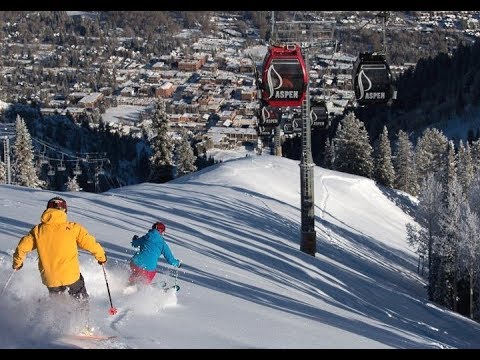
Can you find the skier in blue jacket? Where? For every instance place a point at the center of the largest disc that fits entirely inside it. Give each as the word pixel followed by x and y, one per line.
pixel 144 263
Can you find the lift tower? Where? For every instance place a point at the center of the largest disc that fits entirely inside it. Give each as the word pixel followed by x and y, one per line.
pixel 310 35
pixel 7 132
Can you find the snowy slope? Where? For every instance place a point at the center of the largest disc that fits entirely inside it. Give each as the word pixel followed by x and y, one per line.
pixel 244 283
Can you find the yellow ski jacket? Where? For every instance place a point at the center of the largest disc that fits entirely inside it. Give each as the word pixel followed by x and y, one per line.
pixel 57 241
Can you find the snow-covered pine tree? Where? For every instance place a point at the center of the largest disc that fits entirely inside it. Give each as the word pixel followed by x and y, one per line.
pixel 425 231
pixel 469 253
pixel 329 154
pixel 3 173
pixel 72 184
pixel 446 291
pixel 404 165
pixel 184 155
pixel 450 173
pixel 161 161
pixel 384 173
pixel 475 150
pixel 465 168
pixel 430 154
pixel 23 168
pixel 353 152
pixel 474 194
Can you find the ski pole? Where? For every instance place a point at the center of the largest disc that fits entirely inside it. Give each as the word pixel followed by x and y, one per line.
pixel 175 283
pixel 112 310
pixel 8 281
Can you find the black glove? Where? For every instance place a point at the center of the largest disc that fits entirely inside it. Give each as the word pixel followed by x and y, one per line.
pixel 102 262
pixel 179 263
pixel 135 237
pixel 17 268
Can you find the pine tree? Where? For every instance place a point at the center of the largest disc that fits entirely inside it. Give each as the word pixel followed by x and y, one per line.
pixel 353 152
pixel 469 252
pixel 473 198
pixel 23 170
pixel 474 194
pixel 450 173
pixel 465 169
pixel 185 158
pixel 404 165
pixel 476 155
pixel 430 154
pixel 329 152
pixel 446 271
pixel 3 173
pixel 72 184
pixel 424 233
pixel 384 172
pixel 161 161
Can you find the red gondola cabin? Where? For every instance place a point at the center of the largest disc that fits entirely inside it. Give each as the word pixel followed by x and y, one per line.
pixel 284 76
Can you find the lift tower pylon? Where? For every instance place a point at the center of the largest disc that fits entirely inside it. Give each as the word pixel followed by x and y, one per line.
pixel 309 34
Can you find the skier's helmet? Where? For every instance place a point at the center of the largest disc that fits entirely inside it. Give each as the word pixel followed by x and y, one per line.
pixel 57 203
pixel 159 226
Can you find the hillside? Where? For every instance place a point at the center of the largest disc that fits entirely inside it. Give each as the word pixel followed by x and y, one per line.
pixel 244 283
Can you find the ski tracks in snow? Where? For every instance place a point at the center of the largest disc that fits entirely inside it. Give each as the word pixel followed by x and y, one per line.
pixel 324 199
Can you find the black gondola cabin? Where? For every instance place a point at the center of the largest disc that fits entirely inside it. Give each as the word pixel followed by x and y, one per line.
pixel 319 114
pixel 372 79
pixel 284 76
pixel 269 116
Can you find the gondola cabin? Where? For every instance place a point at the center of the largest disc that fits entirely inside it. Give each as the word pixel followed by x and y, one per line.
pixel 288 128
pixel 297 125
pixel 284 76
pixel 269 116
pixel 318 114
pixel 372 79
pixel 268 119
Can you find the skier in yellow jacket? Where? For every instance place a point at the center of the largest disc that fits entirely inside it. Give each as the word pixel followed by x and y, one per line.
pixel 57 241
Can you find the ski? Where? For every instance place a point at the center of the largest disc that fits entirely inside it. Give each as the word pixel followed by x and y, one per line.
pixel 176 287
pixel 160 284
pixel 163 285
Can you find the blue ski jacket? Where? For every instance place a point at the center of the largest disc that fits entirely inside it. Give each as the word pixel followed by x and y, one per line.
pixel 152 246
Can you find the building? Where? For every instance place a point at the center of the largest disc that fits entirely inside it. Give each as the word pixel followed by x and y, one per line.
pixel 190 65
pixel 235 136
pixel 91 100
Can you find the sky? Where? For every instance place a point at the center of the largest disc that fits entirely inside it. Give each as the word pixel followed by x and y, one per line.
pixel 244 283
